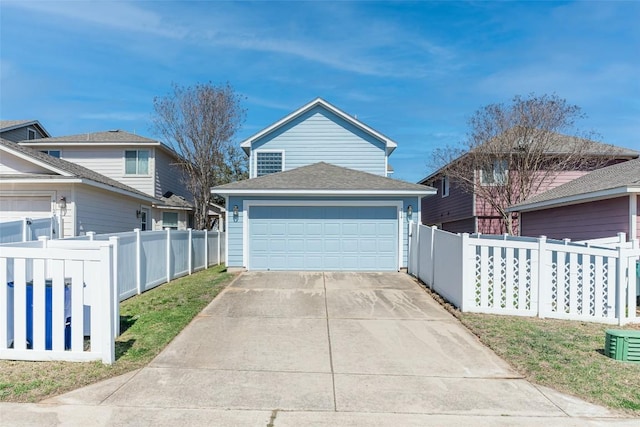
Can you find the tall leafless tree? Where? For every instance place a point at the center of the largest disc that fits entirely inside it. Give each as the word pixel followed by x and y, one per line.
pixel 516 150
pixel 200 122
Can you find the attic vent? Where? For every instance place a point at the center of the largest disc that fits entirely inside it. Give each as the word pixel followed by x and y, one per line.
pixel 623 345
pixel 114 130
pixel 168 194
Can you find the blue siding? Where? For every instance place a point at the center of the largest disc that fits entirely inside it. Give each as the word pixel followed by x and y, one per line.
pixel 320 136
pixel 235 229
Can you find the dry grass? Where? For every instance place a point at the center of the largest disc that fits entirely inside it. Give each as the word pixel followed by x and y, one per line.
pixel 148 322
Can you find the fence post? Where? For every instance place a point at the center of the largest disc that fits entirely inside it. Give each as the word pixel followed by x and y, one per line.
pixel 115 243
pixel 621 288
pixel 206 248
pixel 138 260
pixel 168 254
pixel 45 241
pixel 432 258
pixel 544 295
pixel 109 310
pixel 92 235
pixel 25 235
pixel 218 263
pixel 190 250
pixel 464 268
pixel 416 236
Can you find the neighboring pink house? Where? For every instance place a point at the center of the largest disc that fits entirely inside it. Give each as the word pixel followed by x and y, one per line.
pixel 596 205
pixel 455 210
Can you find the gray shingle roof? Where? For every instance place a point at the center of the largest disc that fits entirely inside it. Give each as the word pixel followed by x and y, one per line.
pixel 74 169
pixel 4 124
pixel 107 136
pixel 322 177
pixel 625 174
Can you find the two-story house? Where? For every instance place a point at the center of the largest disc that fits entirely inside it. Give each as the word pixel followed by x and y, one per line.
pixel 34 184
pixel 458 210
pixel 318 197
pixel 143 164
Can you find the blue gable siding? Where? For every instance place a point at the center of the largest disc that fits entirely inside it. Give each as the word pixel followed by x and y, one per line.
pixel 320 136
pixel 235 229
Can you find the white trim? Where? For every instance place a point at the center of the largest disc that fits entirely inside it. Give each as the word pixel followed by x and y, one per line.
pixel 247 204
pixel 576 199
pixel 633 216
pixel 445 180
pixel 135 175
pixel 266 150
pixel 25 124
pixel 342 193
pixel 389 144
pixel 61 180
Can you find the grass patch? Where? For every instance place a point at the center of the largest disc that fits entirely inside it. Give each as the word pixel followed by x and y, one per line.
pixel 148 322
pixel 565 355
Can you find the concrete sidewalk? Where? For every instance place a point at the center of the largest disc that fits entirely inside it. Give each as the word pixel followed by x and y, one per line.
pixel 334 349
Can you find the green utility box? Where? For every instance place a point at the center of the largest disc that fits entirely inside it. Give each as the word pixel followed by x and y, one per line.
pixel 623 345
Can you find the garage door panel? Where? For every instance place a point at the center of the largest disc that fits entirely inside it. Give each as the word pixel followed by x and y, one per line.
pixel 18 207
pixel 323 238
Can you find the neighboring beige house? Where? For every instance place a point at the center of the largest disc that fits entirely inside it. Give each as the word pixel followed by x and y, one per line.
pixel 19 130
pixel 143 164
pixel 35 184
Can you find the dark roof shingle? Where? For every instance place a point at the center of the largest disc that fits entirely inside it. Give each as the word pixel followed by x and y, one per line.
pixel 323 176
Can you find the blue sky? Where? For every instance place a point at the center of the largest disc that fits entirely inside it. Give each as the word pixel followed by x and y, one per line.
pixel 413 71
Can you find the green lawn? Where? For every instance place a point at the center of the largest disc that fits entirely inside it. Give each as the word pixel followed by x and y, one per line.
pixel 565 355
pixel 148 322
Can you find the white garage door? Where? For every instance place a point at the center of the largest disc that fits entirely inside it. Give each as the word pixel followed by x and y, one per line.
pixel 14 207
pixel 355 238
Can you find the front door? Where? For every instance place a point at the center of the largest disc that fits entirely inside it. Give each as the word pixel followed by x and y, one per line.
pixel 144 218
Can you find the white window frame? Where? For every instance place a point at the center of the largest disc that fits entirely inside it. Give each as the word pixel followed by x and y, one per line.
pixel 255 160
pixel 32 131
pixel 137 173
pixel 444 186
pixel 498 178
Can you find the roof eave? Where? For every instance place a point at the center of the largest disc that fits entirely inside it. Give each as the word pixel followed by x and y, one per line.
pixel 575 199
pixel 337 193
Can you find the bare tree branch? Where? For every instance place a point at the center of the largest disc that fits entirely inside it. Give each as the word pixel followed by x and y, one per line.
pixel 199 122
pixel 514 151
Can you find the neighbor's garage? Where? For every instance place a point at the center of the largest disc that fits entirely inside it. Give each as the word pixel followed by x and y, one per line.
pixel 323 238
pixel 17 207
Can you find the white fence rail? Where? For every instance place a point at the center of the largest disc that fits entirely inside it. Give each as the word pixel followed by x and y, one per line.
pixel 59 299
pixel 27 229
pixel 529 277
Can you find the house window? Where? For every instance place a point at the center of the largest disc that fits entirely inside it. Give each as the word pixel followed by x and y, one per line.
pixel 52 153
pixel 170 220
pixel 136 162
pixel 269 162
pixel 495 174
pixel 31 133
pixel 444 183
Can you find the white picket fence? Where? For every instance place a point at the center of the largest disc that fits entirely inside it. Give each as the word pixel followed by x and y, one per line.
pixel 27 229
pixel 59 299
pixel 527 276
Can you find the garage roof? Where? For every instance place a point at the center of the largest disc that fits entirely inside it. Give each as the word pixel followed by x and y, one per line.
pixel 323 179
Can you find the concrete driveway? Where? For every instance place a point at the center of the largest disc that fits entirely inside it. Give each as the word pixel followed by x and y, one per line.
pixel 298 349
